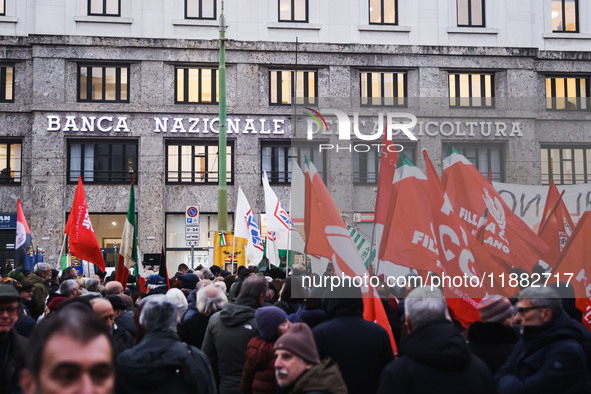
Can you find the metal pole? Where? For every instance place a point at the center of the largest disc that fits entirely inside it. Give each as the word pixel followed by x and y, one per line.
pixel 222 188
pixel 192 257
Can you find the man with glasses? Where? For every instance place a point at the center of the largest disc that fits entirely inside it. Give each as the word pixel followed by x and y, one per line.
pixel 549 357
pixel 12 344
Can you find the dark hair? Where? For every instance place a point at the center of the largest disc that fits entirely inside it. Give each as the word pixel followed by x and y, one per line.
pixel 253 287
pixel 75 321
pixel 183 266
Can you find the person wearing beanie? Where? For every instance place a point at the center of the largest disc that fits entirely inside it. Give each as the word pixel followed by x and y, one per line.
pixel 13 346
pixel 493 338
pixel 258 376
pixel 298 368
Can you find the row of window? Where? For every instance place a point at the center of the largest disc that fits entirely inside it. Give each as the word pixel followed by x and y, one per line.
pixel 377 88
pixel 107 162
pixel 470 13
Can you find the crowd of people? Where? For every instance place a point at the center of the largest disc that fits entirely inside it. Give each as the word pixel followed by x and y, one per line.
pixel 207 331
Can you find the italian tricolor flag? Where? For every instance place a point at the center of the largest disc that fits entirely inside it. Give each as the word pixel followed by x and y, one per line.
pixel 128 253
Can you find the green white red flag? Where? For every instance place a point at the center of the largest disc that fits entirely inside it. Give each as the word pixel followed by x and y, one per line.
pixel 556 226
pixel 128 252
pixel 575 263
pixel 505 235
pixel 81 236
pixel 327 236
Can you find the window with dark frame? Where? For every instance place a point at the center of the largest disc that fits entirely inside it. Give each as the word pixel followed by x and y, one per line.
pixel 566 165
pixel 383 12
pixel 276 158
pixel 102 162
pixel 200 9
pixel 283 84
pixel 471 13
pixel 2 7
pixel 103 83
pixel 104 7
pixel 7 84
pixel 293 10
pixel 567 93
pixel 469 90
pixel 10 162
pixel 196 162
pixel 196 85
pixel 366 165
pixel 565 16
pixel 485 157
pixel 383 88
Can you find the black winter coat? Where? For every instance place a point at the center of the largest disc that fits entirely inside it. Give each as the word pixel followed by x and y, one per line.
pixel 360 348
pixel 161 363
pixel 435 358
pixel 548 359
pixel 227 336
pixel 492 342
pixel 12 360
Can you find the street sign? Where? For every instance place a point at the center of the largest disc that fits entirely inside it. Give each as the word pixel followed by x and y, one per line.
pixel 192 225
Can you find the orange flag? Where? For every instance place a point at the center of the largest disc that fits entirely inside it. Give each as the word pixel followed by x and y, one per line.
pixel 83 242
pixel 505 235
pixel 574 265
pixel 556 226
pixel 327 236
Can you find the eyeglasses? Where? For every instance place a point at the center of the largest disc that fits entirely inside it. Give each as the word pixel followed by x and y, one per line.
pixel 10 309
pixel 522 311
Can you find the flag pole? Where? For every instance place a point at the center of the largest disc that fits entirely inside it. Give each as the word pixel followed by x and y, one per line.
pixel 551 212
pixel 222 187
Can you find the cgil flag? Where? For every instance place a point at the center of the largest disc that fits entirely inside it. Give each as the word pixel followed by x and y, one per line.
pixel 23 239
pixel 247 227
pixel 128 252
pixel 505 235
pixel 388 162
pixel 327 236
pixel 574 265
pixel 556 226
pixel 82 239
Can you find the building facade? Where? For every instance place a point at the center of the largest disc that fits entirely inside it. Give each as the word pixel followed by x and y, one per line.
pixel 90 86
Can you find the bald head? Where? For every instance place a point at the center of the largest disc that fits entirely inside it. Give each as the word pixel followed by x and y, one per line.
pixel 113 288
pixel 104 310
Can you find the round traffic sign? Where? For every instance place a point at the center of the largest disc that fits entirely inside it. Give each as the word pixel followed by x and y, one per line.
pixel 192 211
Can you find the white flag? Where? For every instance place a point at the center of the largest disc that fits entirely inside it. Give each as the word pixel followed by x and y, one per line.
pixel 247 227
pixel 279 222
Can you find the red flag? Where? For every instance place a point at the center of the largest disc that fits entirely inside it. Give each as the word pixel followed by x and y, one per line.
pixel 556 226
pixel 83 242
pixel 23 239
pixel 505 236
pixel 388 161
pixel 327 236
pixel 574 265
pixel 121 272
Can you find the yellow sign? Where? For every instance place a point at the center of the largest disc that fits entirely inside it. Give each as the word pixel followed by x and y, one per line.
pixel 228 253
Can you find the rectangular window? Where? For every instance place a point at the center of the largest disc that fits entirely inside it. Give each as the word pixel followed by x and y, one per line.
pixel 104 7
pixel 487 158
pixel 566 165
pixel 200 9
pixel 383 12
pixel 103 83
pixel 6 84
pixel 196 163
pixel 366 165
pixel 10 162
pixel 383 88
pixel 567 93
pixel 197 85
pixel 283 84
pixel 276 159
pixel 293 10
pixel 2 7
pixel 565 16
pixel 471 90
pixel 471 13
pixel 102 162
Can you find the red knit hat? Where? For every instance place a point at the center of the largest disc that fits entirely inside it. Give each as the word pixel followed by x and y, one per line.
pixel 299 341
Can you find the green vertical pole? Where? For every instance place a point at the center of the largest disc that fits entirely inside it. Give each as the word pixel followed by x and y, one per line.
pixel 222 188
